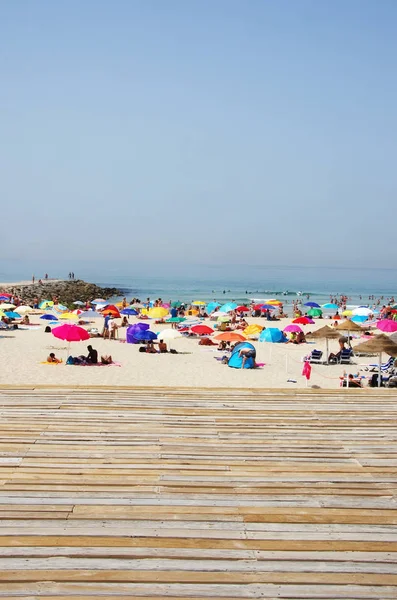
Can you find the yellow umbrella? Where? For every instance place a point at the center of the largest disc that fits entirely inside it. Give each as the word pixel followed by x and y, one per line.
pixel 69 315
pixel 347 313
pixel 1 314
pixel 119 304
pixel 253 329
pixel 273 302
pixel 158 312
pixel 7 306
pixel 198 303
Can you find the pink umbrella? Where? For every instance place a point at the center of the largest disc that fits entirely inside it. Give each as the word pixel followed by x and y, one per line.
pixel 70 333
pixel 293 328
pixel 387 325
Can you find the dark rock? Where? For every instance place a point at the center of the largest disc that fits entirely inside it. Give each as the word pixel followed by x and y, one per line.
pixel 67 292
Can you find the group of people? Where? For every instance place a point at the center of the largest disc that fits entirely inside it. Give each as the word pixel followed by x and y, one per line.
pixel 90 359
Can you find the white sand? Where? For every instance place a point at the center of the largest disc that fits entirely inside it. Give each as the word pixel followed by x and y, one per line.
pixel 22 350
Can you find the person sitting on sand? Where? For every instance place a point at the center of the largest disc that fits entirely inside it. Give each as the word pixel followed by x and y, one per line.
pixel 106 359
pixel 162 347
pixel 124 322
pixel 245 353
pixel 25 320
pixel 53 359
pixel 150 349
pixel 300 338
pixel 222 346
pixel 92 357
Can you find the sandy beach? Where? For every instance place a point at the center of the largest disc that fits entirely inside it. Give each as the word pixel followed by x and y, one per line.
pixel 22 351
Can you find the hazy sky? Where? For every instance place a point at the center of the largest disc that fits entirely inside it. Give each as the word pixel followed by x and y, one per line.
pixel 257 131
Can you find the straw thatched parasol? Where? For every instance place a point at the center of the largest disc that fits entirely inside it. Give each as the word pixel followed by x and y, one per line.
pixel 377 345
pixel 348 326
pixel 325 333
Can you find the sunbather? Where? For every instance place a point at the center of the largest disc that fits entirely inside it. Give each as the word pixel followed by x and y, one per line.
pixel 51 358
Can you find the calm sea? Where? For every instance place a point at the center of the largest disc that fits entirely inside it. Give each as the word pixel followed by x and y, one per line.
pixel 226 282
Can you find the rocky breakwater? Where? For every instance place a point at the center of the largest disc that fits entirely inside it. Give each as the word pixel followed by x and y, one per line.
pixel 67 292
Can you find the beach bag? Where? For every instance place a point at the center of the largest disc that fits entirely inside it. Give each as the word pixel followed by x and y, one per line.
pixel 70 360
pixel 47 329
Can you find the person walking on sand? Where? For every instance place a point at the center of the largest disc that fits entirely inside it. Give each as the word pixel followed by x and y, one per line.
pixel 33 278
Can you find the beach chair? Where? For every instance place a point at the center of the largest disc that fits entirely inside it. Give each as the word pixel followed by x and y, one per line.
pixel 346 357
pixel 384 368
pixel 315 357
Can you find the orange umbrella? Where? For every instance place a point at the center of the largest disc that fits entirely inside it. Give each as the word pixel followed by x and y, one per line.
pixel 230 336
pixel 111 310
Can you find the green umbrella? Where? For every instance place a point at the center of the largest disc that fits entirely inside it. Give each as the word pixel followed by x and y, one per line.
pixel 315 312
pixel 176 320
pixel 176 304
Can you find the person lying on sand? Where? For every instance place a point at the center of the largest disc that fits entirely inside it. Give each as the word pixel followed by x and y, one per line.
pixel 51 358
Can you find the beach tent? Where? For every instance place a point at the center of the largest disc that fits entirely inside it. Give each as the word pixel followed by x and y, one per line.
pixel 236 362
pixel 272 334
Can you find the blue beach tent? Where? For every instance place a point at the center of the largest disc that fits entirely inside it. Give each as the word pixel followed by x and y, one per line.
pixel 272 334
pixel 236 361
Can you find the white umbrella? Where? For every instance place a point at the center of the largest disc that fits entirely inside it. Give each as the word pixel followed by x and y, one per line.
pixel 7 306
pixel 169 334
pixel 79 303
pixel 90 314
pixel 24 309
pixel 362 311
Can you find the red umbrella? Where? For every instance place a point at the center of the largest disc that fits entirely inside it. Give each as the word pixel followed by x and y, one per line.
pixel 303 321
pixel 201 329
pixel 242 309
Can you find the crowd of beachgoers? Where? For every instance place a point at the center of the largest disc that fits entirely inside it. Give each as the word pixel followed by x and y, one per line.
pixel 234 333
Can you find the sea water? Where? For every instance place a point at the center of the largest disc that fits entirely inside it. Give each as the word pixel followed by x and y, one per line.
pixel 225 282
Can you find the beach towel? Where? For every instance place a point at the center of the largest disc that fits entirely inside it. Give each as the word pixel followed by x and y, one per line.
pixel 45 362
pixel 113 364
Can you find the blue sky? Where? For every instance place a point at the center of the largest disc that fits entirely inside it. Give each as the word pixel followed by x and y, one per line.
pixel 258 132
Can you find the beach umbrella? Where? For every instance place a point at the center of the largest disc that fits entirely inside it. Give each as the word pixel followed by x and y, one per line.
pixel 89 314
pixel 176 320
pixel 69 316
pixel 212 306
pixel 377 345
pixel 223 319
pixel 176 304
pixel 98 301
pixel 46 304
pixel 242 309
pixel 4 298
pixel 24 309
pixel 253 329
pixel 201 329
pixel 111 310
pixel 387 325
pixel 347 313
pixel 303 321
pixel 131 312
pixel 348 326
pixel 359 319
pixel 230 336
pixel 12 315
pixel 273 335
pixel 325 333
pixel 70 333
pixel 7 306
pixel 330 306
pixel 169 334
pixel 158 312
pixel 315 312
pixel 198 303
pixel 78 303
pixel 228 307
pixel 292 328
pixel 312 304
pixel 48 317
pixel 60 307
pixel 267 307
pixel 362 311
pixel 143 335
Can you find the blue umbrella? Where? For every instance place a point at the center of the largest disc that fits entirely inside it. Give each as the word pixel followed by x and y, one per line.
pixel 4 298
pixel 129 311
pixel 144 335
pixel 49 317
pixel 268 307
pixel 272 334
pixel 212 306
pixel 12 315
pixel 229 306
pixel 312 304
pixel 330 306
pixel 359 319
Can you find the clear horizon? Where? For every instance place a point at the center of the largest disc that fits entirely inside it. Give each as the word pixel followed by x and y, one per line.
pixel 190 133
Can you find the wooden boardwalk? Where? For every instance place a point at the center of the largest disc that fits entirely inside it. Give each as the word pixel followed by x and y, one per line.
pixel 194 494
